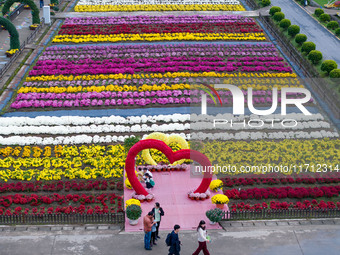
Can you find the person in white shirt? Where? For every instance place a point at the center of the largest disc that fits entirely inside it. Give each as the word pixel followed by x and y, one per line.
pixel 202 239
pixel 146 171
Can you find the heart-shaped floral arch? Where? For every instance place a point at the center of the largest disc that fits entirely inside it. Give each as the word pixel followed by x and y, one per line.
pixel 172 157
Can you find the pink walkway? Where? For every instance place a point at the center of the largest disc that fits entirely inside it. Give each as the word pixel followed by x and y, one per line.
pixel 171 192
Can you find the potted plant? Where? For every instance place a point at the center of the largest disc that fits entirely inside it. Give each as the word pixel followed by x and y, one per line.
pixel 214 215
pixel 216 185
pixel 133 213
pixel 220 200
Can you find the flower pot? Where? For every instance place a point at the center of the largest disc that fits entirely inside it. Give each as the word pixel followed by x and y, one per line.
pixel 212 222
pixel 221 206
pixel 142 200
pixel 133 222
pixel 149 200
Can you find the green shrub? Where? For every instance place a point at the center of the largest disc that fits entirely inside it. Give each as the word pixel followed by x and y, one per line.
pixel 300 38
pixel 318 12
pixel 34 9
pixel 274 10
pixel 325 17
pixel 14 35
pixel 265 3
pixel 315 56
pixel 55 8
pixel 328 66
pixel 335 74
pixel 337 32
pixel 130 141
pixel 133 212
pixel 332 25
pixel 285 23
pixel 293 30
pixel 215 215
pixel 308 47
pixel 278 16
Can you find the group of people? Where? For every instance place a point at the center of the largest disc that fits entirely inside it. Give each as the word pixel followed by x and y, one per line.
pixel 144 175
pixel 152 222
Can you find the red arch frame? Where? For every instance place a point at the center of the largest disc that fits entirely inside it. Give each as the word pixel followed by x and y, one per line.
pixel 172 157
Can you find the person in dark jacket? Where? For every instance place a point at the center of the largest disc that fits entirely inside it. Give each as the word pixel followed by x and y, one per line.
pixel 158 213
pixel 175 246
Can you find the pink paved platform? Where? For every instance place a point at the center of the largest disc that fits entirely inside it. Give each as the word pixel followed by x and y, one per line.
pixel 171 192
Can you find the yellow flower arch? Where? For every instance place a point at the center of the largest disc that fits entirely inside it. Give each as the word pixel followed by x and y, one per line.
pixel 168 139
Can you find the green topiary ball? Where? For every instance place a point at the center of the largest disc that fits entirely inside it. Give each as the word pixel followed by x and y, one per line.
pixel 315 56
pixel 274 10
pixel 285 23
pixel 300 38
pixel 308 47
pixel 293 30
pixel 318 12
pixel 328 66
pixel 265 3
pixel 332 25
pixel 337 32
pixel 325 17
pixel 335 74
pixel 278 16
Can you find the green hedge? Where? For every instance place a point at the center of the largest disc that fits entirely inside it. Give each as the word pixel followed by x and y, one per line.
pixel 34 9
pixel 14 41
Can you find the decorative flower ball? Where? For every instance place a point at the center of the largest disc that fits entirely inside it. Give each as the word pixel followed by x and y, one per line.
pixel 215 185
pixel 132 201
pixel 220 199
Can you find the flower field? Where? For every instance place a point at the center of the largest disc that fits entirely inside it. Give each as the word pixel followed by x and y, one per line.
pixel 158 64
pixel 154 5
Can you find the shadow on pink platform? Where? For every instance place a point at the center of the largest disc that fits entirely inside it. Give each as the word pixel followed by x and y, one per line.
pixel 170 191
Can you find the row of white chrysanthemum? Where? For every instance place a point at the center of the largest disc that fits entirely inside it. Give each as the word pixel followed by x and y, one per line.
pixel 165 123
pixel 154 2
pixel 87 139
pixel 137 128
pixel 130 120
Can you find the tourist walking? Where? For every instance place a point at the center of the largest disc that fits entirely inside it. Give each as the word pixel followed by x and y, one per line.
pixel 202 239
pixel 41 4
pixel 175 243
pixel 158 212
pixel 148 223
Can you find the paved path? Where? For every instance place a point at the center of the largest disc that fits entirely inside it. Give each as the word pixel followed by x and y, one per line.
pixel 272 239
pixel 327 43
pixel 264 12
pixel 22 23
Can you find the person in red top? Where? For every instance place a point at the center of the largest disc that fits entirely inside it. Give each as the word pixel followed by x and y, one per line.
pixel 148 223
